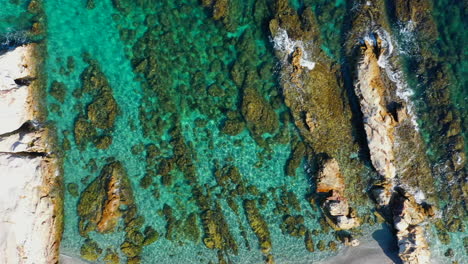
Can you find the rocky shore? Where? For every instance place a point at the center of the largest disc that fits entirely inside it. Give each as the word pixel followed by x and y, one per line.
pixel 30 193
pixel 403 189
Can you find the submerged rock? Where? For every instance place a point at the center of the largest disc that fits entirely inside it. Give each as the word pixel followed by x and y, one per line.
pixel 258 114
pixel 258 225
pixel 99 203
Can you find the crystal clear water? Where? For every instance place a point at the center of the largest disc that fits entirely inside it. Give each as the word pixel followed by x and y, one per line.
pixel 190 91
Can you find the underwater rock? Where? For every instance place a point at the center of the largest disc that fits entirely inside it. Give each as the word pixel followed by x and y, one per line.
pixel 294 225
pixel 233 127
pixel 258 114
pixel 309 242
pixel 111 257
pixel 73 189
pixel 99 203
pixel 294 161
pixel 103 142
pixel 103 110
pixel 84 132
pixel 258 225
pixel 58 91
pixel 130 250
pixel 90 250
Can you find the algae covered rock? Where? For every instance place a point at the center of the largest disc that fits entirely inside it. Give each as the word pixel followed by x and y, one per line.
pixel 259 115
pixel 73 189
pixel 258 225
pixel 84 132
pixel 111 257
pixel 58 90
pixel 98 207
pixel 101 112
pixel 130 249
pixel 151 236
pixel 90 250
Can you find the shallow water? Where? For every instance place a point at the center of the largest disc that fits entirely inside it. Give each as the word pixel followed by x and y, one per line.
pixel 189 92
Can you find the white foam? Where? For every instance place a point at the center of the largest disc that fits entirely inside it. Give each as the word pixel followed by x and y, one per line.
pixel 395 75
pixel 286 45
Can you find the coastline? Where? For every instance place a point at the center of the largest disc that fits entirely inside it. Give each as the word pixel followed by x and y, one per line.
pixel 30 196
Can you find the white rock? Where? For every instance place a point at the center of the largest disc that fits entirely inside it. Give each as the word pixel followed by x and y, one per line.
pixel 29 213
pixel 336 207
pixel 14 99
pixel 22 142
pixel 27 228
pixel 344 222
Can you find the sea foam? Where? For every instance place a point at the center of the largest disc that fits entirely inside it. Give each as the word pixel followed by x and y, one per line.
pixel 283 43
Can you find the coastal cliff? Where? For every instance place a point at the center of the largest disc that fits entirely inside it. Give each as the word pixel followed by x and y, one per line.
pixel 30 193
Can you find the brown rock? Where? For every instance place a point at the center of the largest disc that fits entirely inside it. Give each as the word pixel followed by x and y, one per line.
pixel 330 177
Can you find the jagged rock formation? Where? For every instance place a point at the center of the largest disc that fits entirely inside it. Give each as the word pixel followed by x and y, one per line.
pixel 378 122
pixel 30 193
pixel 384 122
pixel 336 205
pixel 408 216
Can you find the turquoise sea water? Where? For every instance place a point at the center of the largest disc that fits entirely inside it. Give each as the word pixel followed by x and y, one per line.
pixel 96 31
pixel 191 89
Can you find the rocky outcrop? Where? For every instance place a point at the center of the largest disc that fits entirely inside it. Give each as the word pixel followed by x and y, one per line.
pixel 389 130
pixel 408 216
pixel 313 91
pixel 99 204
pixel 30 193
pixel 336 206
pixel 378 122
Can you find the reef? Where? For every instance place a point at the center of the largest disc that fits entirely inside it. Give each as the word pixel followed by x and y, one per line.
pixel 96 124
pixel 260 228
pixel 238 103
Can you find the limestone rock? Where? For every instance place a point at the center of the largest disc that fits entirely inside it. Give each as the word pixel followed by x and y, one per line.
pixel 337 207
pixel 344 222
pixel 382 195
pixel 15 97
pixel 413 248
pixel 30 193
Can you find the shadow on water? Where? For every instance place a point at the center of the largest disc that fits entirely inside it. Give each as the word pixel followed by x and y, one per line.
pixel 388 243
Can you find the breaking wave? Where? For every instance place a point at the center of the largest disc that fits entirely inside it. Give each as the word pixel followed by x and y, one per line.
pixel 403 91
pixel 286 45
